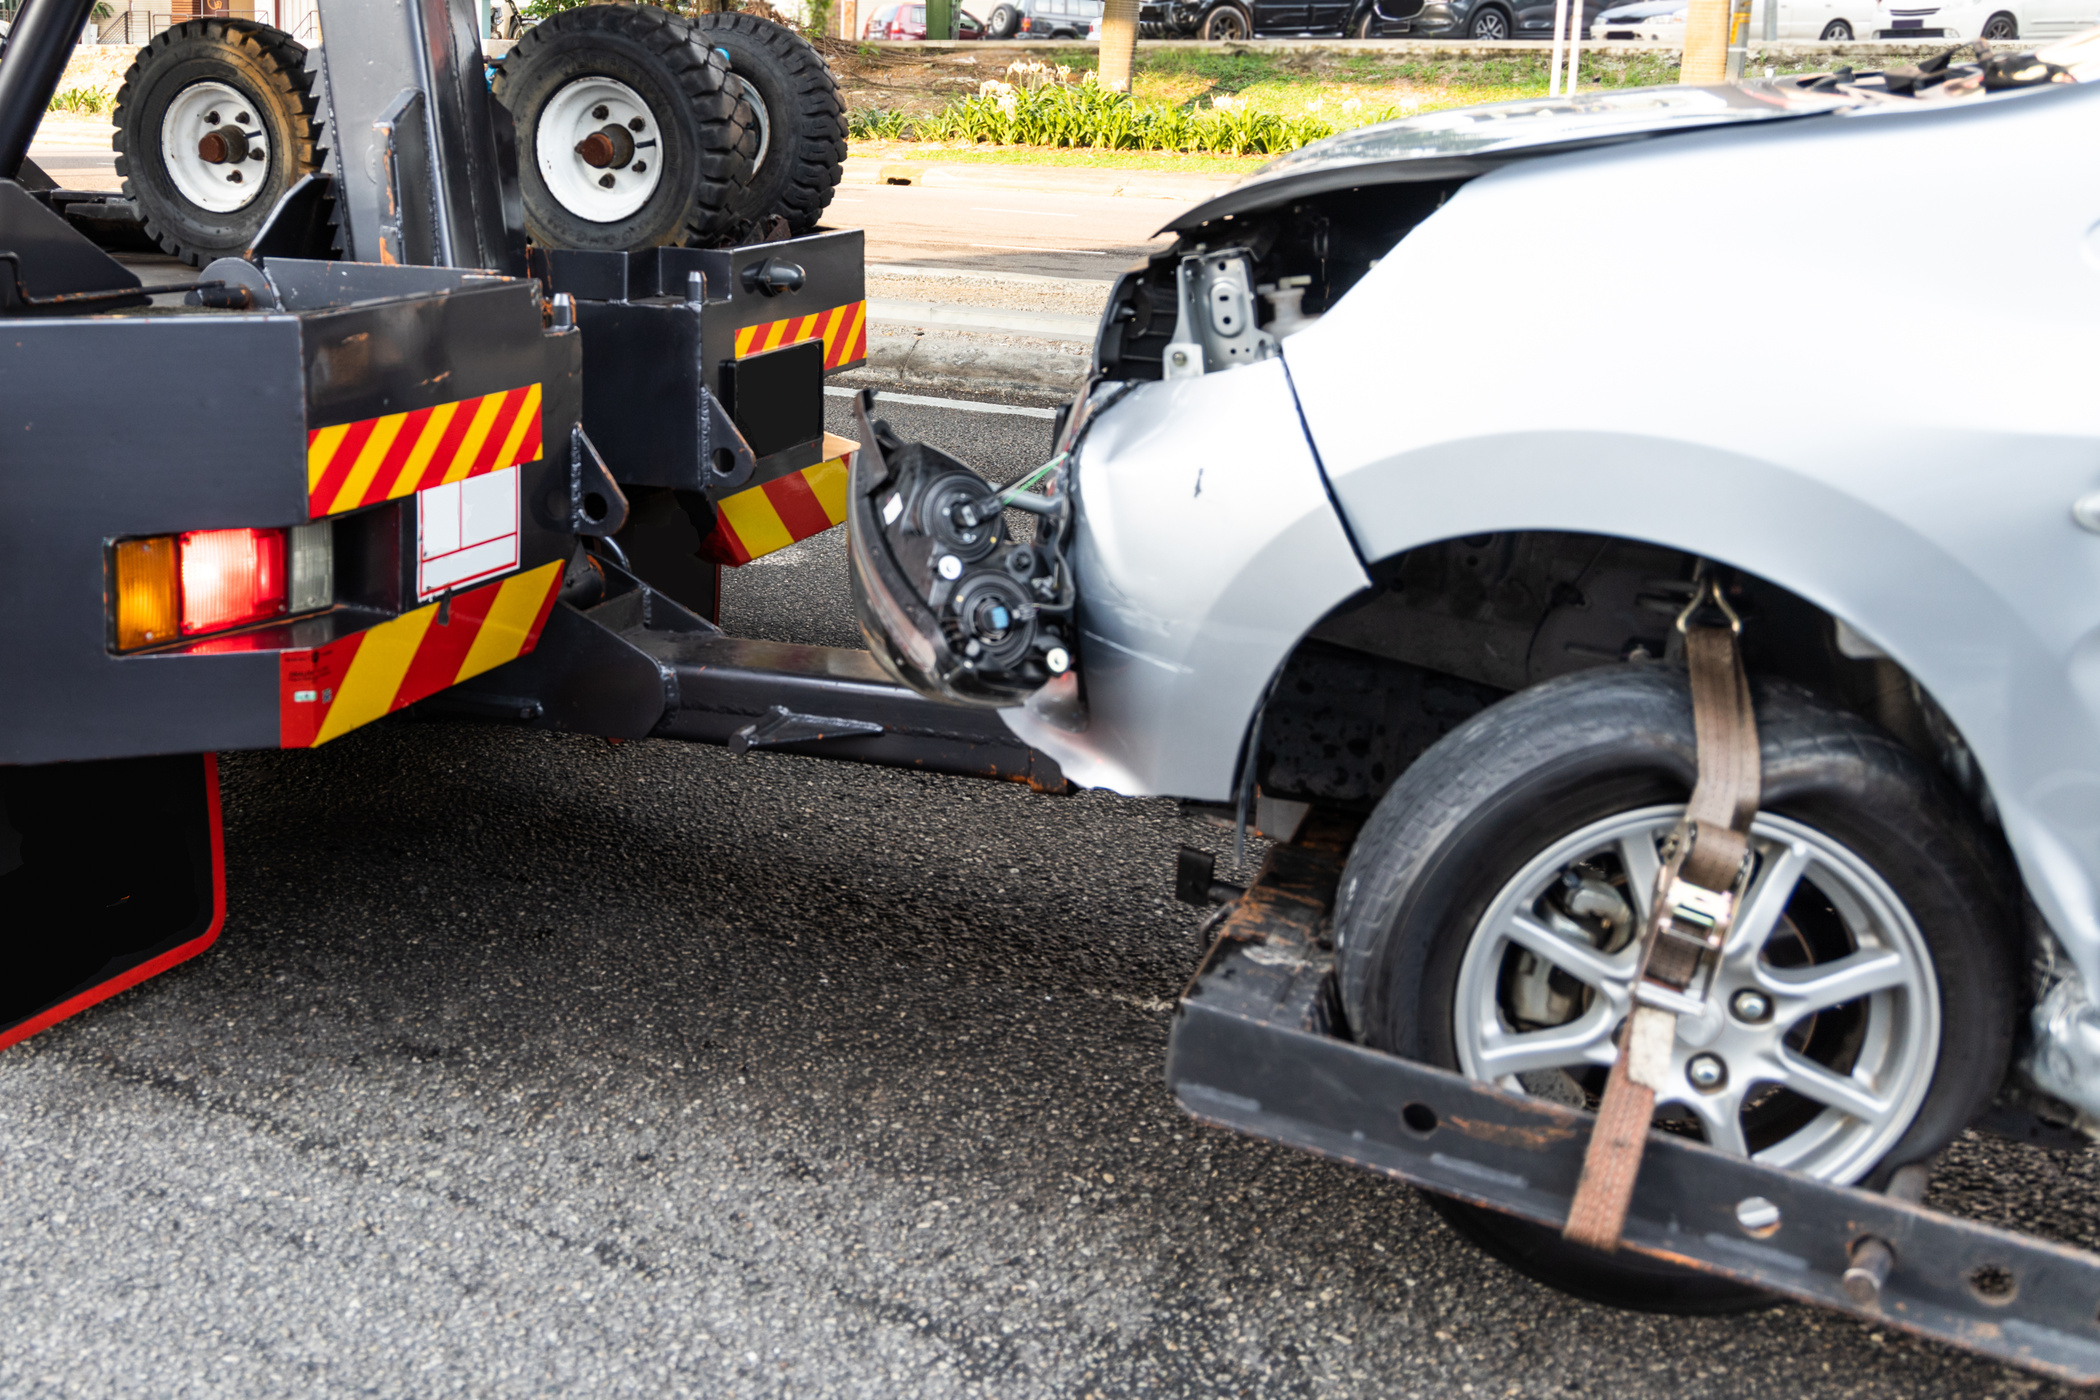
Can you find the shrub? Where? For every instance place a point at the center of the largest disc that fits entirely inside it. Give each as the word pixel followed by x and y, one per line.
pixel 88 101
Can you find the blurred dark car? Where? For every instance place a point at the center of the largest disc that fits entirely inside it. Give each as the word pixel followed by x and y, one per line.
pixel 1353 19
pixel 909 22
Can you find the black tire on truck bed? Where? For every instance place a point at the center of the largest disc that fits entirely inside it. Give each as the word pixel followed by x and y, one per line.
pixel 804 140
pixel 687 165
pixel 268 122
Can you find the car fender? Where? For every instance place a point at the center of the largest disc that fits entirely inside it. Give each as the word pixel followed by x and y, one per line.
pixel 1207 546
pixel 1909 470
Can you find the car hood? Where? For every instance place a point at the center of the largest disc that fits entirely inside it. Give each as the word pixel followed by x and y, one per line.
pixel 1472 140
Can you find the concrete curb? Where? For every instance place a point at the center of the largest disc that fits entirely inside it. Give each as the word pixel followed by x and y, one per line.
pixel 1044 371
pixel 1049 179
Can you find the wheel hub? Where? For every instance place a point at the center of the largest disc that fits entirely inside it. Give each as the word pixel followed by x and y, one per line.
pixel 1818 1030
pixel 599 148
pixel 214 149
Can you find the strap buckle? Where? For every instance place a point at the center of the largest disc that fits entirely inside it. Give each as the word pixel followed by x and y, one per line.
pixel 1709 591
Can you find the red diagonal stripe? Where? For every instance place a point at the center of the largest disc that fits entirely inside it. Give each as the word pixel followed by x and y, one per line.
pixel 323 496
pixel 797 505
pixel 722 544
pixel 444 647
pixel 529 445
pixel 396 457
pixel 499 433
pixel 447 448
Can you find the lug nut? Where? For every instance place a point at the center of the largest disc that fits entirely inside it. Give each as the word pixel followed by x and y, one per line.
pixel 605 181
pixel 1752 1006
pixel 634 124
pixel 600 113
pixel 1706 1072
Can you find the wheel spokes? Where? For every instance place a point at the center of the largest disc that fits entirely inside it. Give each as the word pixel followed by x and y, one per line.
pixel 1765 901
pixel 1586 1040
pixel 1841 1092
pixel 1804 990
pixel 1721 1115
pixel 1578 960
pixel 1642 864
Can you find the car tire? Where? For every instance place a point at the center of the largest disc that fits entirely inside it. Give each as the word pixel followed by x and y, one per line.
pixel 1003 22
pixel 1367 27
pixel 1444 861
pixel 1225 22
pixel 1836 32
pixel 195 206
pixel 567 73
pixel 802 136
pixel 2001 28
pixel 1490 25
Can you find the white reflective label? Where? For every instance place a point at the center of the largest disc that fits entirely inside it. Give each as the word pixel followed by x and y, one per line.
pixel 466 531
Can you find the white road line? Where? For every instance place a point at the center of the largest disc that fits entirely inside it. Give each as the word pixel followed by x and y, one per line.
pixel 978 275
pixel 1038 248
pixel 1039 213
pixel 883 396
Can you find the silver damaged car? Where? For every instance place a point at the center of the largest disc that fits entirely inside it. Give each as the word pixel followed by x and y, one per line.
pixel 1378 501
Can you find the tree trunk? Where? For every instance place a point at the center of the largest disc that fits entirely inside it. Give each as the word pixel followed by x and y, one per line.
pixel 1705 42
pixel 1119 19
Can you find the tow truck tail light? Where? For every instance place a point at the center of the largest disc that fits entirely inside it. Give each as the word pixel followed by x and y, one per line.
pixel 171 586
pixel 230 577
pixel 146 592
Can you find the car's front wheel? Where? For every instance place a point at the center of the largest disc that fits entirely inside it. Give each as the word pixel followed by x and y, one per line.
pixel 1836 32
pixel 1860 1015
pixel 2001 28
pixel 1226 22
pixel 1491 25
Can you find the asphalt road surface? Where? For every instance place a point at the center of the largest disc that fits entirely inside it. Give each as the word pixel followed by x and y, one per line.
pixel 532 1065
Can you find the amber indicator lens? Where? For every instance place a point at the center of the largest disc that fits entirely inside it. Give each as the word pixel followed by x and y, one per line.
pixel 230 577
pixel 146 593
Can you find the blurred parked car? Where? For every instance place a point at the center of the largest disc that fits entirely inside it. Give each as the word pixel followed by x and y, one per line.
pixel 1662 21
pixel 909 22
pixel 1046 19
pixel 1274 19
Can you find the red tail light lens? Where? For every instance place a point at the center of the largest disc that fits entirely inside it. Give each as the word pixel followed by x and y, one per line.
pixel 230 577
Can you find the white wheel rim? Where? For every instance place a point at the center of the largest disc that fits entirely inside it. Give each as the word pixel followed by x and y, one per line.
pixel 587 107
pixel 1884 988
pixel 758 110
pixel 202 111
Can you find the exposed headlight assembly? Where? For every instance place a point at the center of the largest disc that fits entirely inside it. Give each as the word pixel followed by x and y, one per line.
pixel 949 603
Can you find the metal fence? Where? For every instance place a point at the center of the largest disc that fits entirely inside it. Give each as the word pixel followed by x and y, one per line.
pixel 134 26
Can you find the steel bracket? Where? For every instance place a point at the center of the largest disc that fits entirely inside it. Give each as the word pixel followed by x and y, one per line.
pixel 783 726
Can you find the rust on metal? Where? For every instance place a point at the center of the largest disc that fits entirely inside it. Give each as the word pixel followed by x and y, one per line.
pixel 1534 1139
pixel 596 150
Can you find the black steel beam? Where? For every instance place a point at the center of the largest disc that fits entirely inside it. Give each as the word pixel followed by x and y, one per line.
pixel 38 46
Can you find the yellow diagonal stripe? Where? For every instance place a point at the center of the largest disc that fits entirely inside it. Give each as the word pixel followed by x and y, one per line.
pixel 860 313
pixel 518 428
pixel 743 340
pixel 485 411
pixel 368 459
pixel 418 460
pixel 827 482
pixel 755 521
pixel 320 451
pixel 382 659
pixel 503 631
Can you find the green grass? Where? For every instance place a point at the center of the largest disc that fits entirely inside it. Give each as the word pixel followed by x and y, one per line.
pixel 86 101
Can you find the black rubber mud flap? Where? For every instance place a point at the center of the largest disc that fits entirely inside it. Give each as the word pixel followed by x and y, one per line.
pixel 111 872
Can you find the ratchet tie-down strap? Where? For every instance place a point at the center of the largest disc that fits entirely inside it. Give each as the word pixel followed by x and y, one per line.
pixel 1705 864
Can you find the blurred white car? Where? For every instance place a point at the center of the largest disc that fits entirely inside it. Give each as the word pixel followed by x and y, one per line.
pixel 1662 21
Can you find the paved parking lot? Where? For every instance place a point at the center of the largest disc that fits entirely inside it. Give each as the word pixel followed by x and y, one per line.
pixel 529 1064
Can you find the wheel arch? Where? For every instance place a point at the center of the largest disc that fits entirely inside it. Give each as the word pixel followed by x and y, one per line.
pixel 2000 693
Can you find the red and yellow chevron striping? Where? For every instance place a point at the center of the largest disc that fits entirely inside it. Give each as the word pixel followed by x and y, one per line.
pixel 843 329
pixel 327 691
pixel 382 459
pixel 773 516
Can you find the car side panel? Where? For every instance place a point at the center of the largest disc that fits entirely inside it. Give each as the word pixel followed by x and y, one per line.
pixel 1208 546
pixel 1910 468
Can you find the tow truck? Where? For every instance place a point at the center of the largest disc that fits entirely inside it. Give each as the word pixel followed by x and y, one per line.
pixel 409 446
